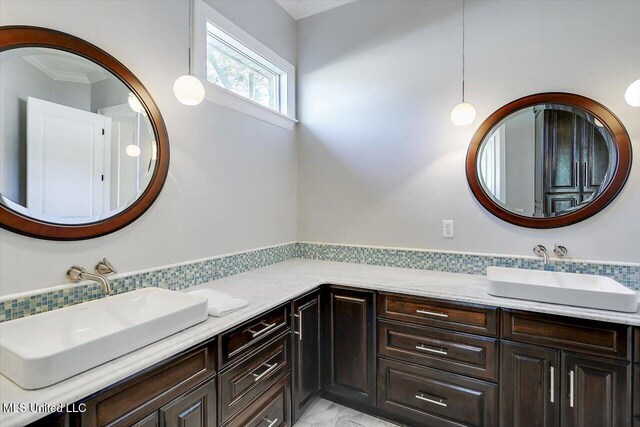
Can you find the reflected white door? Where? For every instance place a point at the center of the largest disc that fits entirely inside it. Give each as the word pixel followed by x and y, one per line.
pixel 125 169
pixel 66 161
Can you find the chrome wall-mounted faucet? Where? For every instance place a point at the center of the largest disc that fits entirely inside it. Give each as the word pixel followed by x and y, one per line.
pixel 104 267
pixel 541 251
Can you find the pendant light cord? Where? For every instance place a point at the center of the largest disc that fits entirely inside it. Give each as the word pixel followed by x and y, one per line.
pixel 463 50
pixel 190 31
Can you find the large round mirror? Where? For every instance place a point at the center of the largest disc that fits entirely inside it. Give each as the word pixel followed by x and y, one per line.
pixel 82 145
pixel 549 160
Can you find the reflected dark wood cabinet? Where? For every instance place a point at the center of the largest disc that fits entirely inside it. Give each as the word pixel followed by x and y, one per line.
pixel 350 346
pixel 307 350
pixel 576 160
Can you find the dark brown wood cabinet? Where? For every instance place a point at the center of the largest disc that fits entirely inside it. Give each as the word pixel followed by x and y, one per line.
pixel 152 420
pixel 242 340
pixel 134 400
pixel 475 319
pixel 636 395
pixel 249 378
pixel 429 397
pixel 529 386
pixel 466 354
pixel 272 408
pixel 420 361
pixel 195 409
pixel 567 333
pixel 597 392
pixel 556 354
pixel 350 345
pixel 307 350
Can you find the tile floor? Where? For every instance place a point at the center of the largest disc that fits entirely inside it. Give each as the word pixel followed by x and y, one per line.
pixel 328 414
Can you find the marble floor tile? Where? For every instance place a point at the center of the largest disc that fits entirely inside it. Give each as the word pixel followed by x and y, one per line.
pixel 324 413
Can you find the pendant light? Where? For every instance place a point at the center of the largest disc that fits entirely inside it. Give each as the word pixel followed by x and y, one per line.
pixel 463 113
pixel 632 94
pixel 189 89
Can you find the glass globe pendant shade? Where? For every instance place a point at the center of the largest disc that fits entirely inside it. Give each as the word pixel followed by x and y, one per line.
pixel 189 90
pixel 463 114
pixel 134 103
pixel 132 150
pixel 632 94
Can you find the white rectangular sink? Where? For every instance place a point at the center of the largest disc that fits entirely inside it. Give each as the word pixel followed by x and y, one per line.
pixel 582 290
pixel 43 349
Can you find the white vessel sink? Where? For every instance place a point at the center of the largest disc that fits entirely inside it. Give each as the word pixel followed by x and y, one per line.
pixel 582 290
pixel 43 349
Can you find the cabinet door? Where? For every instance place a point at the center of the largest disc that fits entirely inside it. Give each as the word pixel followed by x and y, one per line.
pixel 596 392
pixel 307 347
pixel 148 421
pixel 529 386
pixel 196 408
pixel 349 365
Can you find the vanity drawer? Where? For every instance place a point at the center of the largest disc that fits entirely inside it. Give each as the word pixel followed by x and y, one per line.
pixel 637 344
pixel 241 340
pixel 465 354
pixel 272 408
pixel 568 333
pixel 471 318
pixel 428 397
pixel 245 381
pixel 133 399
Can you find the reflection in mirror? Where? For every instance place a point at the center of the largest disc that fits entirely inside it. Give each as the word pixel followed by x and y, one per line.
pixel 76 146
pixel 546 160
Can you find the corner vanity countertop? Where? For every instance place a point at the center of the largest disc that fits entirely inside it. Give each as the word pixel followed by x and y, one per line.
pixel 269 287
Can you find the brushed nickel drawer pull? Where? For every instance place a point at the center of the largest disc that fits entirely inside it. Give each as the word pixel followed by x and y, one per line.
pixel 552 384
pixel 299 333
pixel 431 350
pixel 571 390
pixel 255 334
pixel 270 368
pixel 432 313
pixel 271 423
pixel 435 402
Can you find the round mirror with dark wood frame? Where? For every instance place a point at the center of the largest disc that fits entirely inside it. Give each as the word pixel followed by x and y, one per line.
pixel 84 150
pixel 548 160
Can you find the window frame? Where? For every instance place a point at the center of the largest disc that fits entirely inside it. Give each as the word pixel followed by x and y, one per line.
pixel 205 14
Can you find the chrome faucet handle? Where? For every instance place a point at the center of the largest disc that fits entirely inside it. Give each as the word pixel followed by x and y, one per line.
pixel 74 273
pixel 560 251
pixel 105 267
pixel 540 250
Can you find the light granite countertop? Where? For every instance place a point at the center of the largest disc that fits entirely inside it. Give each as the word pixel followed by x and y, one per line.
pixel 266 288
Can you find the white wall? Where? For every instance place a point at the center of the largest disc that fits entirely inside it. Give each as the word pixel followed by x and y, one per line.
pixel 380 162
pixel 232 178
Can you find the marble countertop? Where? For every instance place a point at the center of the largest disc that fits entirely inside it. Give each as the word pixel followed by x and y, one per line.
pixel 269 287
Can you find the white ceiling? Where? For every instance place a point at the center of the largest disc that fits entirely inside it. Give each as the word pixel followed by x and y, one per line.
pixel 66 67
pixel 299 9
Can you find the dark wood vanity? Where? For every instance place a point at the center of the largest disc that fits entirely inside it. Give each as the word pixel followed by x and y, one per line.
pixel 412 360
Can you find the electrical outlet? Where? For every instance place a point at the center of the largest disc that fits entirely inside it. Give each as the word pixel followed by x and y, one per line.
pixel 447 228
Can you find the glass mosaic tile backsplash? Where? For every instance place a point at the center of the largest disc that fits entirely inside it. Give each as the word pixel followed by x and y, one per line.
pixel 202 271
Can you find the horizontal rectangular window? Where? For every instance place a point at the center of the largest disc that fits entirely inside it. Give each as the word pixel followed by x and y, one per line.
pixel 239 72
pixel 238 69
